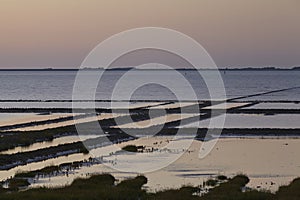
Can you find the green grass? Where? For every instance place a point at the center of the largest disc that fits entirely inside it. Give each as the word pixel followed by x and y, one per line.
pixel 291 192
pixel 16 183
pixel 211 182
pixel 104 187
pixel 222 178
pixel 133 148
pixel 232 189
pixel 96 187
pixel 130 148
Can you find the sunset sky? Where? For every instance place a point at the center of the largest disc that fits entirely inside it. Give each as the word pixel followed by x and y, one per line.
pixel 60 33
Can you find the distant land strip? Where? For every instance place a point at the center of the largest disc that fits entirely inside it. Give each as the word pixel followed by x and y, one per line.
pixel 296 68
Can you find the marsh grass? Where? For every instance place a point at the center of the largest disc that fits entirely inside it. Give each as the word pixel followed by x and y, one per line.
pixel 104 187
pixel 133 148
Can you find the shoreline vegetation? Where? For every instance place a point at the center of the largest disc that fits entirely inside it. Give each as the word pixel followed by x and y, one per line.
pixel 105 186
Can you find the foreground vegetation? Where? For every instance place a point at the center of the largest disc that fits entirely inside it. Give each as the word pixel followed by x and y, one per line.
pixel 104 187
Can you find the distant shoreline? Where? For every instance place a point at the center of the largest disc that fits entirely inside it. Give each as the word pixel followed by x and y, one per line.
pixel 179 69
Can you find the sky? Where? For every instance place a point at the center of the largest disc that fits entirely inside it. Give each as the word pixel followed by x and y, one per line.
pixel 236 33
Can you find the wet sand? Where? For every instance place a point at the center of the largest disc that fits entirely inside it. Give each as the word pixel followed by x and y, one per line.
pixel 265 161
pixel 174 105
pixel 269 163
pixel 69 122
pixel 39 165
pixel 47 144
pixel 227 105
pixel 278 105
pixel 156 121
pixel 279 121
pixel 7 119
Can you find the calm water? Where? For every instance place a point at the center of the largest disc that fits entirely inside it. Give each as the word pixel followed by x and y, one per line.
pixel 58 85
